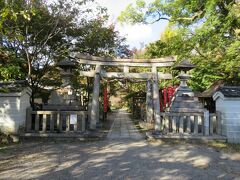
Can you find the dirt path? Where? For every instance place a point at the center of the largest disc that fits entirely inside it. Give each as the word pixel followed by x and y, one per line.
pixel 123 155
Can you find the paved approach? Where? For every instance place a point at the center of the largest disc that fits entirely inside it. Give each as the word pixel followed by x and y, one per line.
pixel 122 127
pixel 123 155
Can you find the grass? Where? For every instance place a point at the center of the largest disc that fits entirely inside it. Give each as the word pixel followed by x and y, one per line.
pixel 171 142
pixel 223 146
pixel 3 148
pixel 5 142
pixel 217 145
pixel 139 128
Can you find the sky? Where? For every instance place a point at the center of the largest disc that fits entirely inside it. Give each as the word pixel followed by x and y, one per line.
pixel 135 34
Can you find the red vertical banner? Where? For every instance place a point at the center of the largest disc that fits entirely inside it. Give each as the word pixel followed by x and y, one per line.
pixel 160 99
pixel 164 98
pixel 170 94
pixel 105 100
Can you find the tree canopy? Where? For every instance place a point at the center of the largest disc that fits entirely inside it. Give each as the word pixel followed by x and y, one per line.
pixel 206 32
pixel 36 34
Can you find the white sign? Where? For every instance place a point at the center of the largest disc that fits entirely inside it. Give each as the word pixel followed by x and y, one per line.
pixel 73 119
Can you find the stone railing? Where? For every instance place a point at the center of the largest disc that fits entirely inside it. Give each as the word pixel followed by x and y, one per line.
pixel 191 123
pixel 55 121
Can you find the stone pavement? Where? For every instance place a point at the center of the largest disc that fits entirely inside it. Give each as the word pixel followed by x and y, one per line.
pixel 122 127
pixel 123 155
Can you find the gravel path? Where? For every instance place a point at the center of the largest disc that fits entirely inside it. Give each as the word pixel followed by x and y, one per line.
pixel 123 155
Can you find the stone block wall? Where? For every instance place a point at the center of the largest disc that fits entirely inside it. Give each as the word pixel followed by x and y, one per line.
pixel 229 107
pixel 230 114
pixel 13 110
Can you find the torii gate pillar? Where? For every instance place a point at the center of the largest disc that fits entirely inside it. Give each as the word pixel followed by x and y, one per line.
pixel 156 99
pixel 94 119
pixel 149 101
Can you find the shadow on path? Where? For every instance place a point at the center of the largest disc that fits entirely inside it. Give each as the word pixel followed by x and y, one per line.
pixel 118 157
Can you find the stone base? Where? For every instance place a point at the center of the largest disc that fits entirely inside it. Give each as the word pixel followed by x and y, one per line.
pixel 233 140
pixel 99 125
pixel 63 136
pixel 177 136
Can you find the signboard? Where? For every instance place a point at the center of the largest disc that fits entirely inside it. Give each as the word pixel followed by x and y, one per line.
pixel 73 118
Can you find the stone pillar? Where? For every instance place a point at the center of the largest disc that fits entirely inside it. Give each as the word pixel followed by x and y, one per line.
pixel 89 109
pixel 149 102
pixel 156 100
pixel 94 118
pixel 206 122
pixel 126 69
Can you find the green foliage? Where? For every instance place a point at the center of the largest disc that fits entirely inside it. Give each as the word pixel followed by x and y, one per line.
pixel 170 44
pixel 10 72
pixel 131 15
pixel 206 32
pixel 36 34
pixel 95 38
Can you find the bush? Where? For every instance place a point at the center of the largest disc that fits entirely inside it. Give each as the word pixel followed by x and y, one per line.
pixel 4 138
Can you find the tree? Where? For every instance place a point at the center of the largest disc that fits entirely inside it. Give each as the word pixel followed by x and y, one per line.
pixel 9 65
pixel 206 32
pixel 95 38
pixel 35 36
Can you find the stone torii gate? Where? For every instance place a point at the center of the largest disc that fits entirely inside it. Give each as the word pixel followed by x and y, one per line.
pixel 152 78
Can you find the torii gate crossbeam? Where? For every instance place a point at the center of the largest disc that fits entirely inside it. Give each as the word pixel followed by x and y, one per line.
pixel 153 104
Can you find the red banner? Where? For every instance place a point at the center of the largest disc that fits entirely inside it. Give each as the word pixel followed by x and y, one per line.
pixel 171 91
pixel 160 100
pixel 105 100
pixel 166 97
pixel 165 100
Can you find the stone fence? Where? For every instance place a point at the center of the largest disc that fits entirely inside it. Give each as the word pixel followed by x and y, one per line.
pixel 55 121
pixel 191 123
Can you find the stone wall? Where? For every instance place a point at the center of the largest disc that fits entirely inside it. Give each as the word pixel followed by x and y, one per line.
pixel 229 107
pixel 13 110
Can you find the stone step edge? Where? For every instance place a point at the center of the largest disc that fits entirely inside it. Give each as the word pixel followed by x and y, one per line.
pixel 62 136
pixel 150 135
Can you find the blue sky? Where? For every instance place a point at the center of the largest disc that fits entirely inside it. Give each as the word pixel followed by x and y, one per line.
pixel 135 34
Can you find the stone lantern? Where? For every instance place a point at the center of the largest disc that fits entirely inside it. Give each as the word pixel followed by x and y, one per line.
pixel 67 67
pixel 183 99
pixel 184 67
